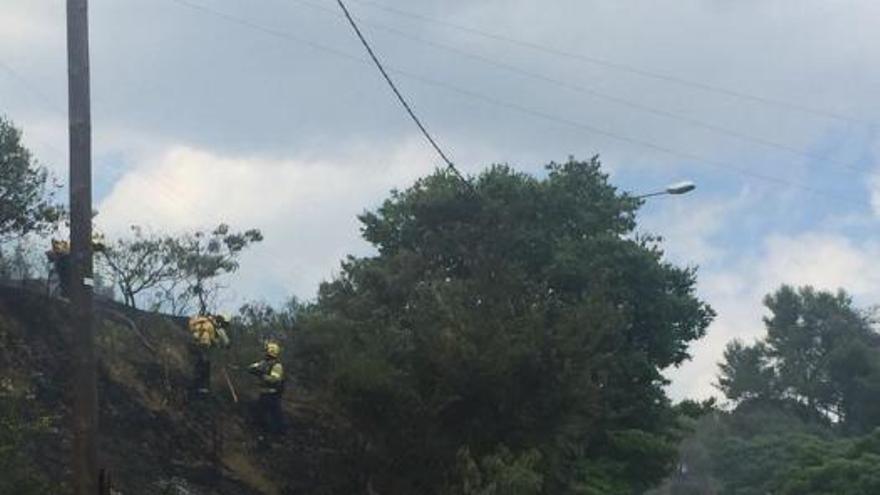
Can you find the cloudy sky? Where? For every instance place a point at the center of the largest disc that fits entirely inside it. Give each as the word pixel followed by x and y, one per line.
pixel 265 113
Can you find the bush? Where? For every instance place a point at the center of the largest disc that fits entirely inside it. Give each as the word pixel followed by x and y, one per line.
pixel 19 428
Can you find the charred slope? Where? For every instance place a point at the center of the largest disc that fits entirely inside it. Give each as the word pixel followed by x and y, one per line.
pixel 154 438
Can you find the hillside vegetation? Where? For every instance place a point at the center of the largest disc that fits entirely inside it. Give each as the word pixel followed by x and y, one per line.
pixel 154 438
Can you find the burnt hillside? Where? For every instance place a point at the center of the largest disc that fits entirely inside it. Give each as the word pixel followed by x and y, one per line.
pixel 155 439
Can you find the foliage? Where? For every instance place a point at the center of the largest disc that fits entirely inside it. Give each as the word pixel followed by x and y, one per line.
pixel 696 409
pixel 140 263
pixel 802 395
pixel 800 464
pixel 25 196
pixel 499 473
pixel 617 473
pixel 257 322
pixel 176 270
pixel 820 353
pixel 760 447
pixel 764 463
pixel 268 322
pixel 199 258
pixel 694 473
pixel 523 313
pixel 18 472
pixel 170 298
pixel 20 261
pixel 746 372
pixel 850 474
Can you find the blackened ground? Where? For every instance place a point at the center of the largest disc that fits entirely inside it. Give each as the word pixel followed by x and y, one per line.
pixel 155 438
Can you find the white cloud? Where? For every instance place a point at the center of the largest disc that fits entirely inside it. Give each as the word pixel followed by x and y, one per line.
pixel 826 261
pixel 306 208
pixel 689 225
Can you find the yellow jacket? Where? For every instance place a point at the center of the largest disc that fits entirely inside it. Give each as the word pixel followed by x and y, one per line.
pixel 271 374
pixel 206 333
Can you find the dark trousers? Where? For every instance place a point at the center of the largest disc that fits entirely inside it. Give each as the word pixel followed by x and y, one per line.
pixel 62 270
pixel 269 414
pixel 202 368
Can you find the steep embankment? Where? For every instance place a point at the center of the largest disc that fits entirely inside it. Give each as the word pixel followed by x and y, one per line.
pixel 154 438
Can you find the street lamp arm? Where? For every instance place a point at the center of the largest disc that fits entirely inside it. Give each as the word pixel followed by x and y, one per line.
pixel 648 195
pixel 683 187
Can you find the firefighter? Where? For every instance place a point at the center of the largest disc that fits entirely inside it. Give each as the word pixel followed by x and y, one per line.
pixel 271 374
pixel 208 333
pixel 59 257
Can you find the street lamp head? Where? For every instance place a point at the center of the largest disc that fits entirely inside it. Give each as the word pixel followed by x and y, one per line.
pixel 681 187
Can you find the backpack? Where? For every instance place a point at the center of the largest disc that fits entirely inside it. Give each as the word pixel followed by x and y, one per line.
pixel 203 330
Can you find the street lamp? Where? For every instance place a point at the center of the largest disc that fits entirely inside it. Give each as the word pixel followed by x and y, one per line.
pixel 683 187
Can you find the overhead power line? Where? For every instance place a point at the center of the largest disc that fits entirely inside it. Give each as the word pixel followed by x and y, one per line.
pixel 581 89
pixel 621 66
pixel 39 97
pixel 727 166
pixel 397 93
pixel 48 102
pixel 840 196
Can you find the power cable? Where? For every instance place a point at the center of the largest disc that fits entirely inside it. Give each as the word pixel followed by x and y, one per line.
pixel 397 93
pixel 622 67
pixel 840 196
pixel 40 97
pixel 600 95
pixel 43 98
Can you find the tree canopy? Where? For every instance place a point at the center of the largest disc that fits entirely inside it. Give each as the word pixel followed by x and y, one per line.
pixel 26 203
pixel 139 263
pixel 521 321
pixel 820 353
pixel 179 271
pixel 805 416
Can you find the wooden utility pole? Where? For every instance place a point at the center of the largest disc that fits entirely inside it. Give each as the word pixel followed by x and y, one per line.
pixel 85 390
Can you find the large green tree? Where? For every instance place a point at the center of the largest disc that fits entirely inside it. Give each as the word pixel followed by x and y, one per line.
pixel 820 353
pixel 520 315
pixel 25 193
pixel 746 372
pixel 802 395
pixel 764 447
pixel 797 463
